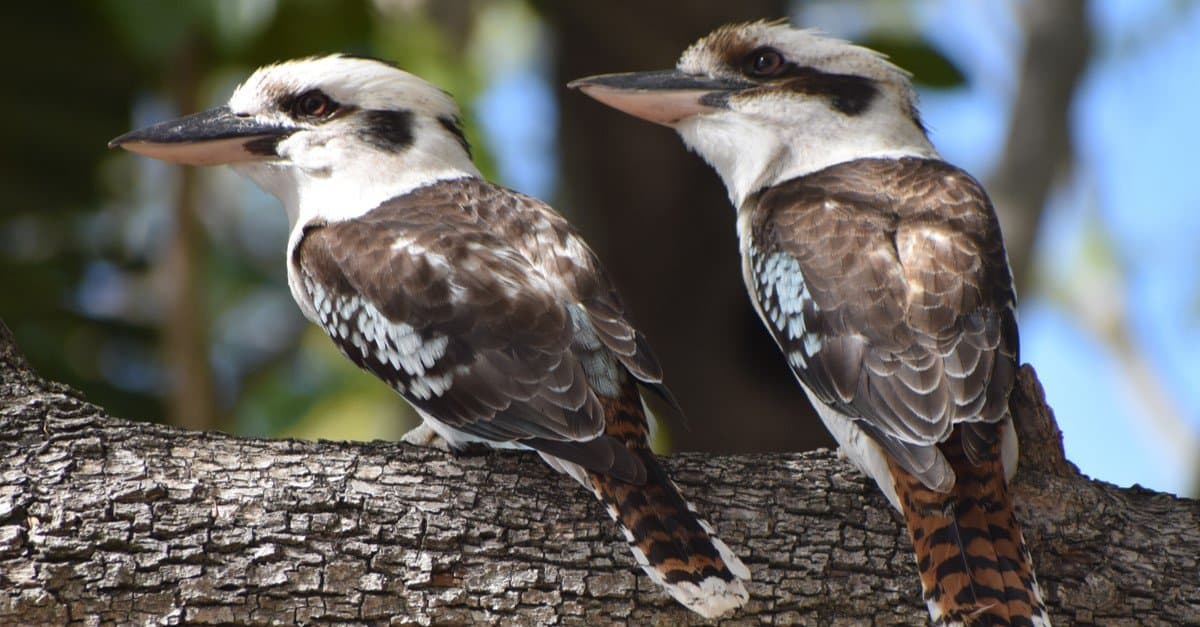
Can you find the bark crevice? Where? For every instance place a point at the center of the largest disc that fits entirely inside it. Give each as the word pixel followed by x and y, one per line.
pixel 104 520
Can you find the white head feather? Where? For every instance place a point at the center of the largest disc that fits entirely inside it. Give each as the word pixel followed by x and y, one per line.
pixel 772 134
pixel 340 168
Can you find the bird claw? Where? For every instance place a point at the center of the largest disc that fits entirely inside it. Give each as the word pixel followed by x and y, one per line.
pixel 424 435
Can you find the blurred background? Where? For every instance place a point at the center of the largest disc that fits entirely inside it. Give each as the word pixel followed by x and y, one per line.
pixel 161 292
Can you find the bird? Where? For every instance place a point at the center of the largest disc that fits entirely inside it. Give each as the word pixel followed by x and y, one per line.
pixel 880 271
pixel 481 306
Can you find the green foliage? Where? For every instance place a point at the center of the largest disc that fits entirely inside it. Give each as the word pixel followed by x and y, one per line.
pixel 84 229
pixel 72 87
pixel 928 66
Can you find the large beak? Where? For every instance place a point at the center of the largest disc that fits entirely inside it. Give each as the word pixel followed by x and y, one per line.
pixel 212 137
pixel 664 97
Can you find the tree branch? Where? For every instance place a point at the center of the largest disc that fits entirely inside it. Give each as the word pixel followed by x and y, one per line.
pixel 1038 146
pixel 110 521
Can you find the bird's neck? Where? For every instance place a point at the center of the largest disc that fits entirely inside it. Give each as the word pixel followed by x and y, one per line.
pixel 750 156
pixel 349 190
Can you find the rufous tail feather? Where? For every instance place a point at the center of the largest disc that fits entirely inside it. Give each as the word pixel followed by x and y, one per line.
pixel 975 568
pixel 669 540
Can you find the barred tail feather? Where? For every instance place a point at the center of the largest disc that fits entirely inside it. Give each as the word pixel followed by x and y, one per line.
pixel 674 546
pixel 975 567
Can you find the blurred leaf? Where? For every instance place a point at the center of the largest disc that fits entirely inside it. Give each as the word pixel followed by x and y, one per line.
pixel 928 66
pixel 420 45
pixel 302 28
pixel 314 391
pixel 75 82
pixel 346 417
pixel 83 228
pixel 152 31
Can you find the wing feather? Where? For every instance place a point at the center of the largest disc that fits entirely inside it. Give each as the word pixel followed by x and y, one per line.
pixel 887 285
pixel 437 297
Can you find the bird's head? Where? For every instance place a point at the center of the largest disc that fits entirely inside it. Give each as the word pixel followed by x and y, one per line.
pixel 764 102
pixel 331 137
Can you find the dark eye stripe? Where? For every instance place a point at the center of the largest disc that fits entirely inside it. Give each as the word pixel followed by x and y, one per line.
pixel 391 131
pixel 454 126
pixel 847 93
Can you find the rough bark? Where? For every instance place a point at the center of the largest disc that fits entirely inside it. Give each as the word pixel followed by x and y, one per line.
pixel 105 521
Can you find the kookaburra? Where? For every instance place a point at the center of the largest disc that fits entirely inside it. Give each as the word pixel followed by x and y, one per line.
pixel 880 271
pixel 481 306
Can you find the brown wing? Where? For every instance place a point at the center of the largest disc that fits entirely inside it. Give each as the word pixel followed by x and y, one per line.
pixel 438 302
pixel 886 284
pixel 551 243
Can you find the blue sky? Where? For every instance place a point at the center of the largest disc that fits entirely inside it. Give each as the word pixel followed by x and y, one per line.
pixel 1135 132
pixel 1133 190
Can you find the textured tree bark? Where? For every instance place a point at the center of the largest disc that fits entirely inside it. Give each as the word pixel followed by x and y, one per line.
pixel 106 521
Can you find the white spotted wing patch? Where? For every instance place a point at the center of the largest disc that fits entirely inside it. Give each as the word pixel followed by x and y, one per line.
pixel 395 351
pixel 784 301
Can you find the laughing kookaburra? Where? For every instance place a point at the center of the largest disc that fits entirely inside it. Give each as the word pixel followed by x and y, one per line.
pixel 880 271
pixel 481 306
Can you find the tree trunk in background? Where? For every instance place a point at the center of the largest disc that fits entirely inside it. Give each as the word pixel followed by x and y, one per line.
pixel 106 521
pixel 662 224
pixel 1038 148
pixel 1038 154
pixel 191 398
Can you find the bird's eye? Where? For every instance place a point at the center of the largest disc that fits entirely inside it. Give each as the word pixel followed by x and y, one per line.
pixel 313 104
pixel 764 62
